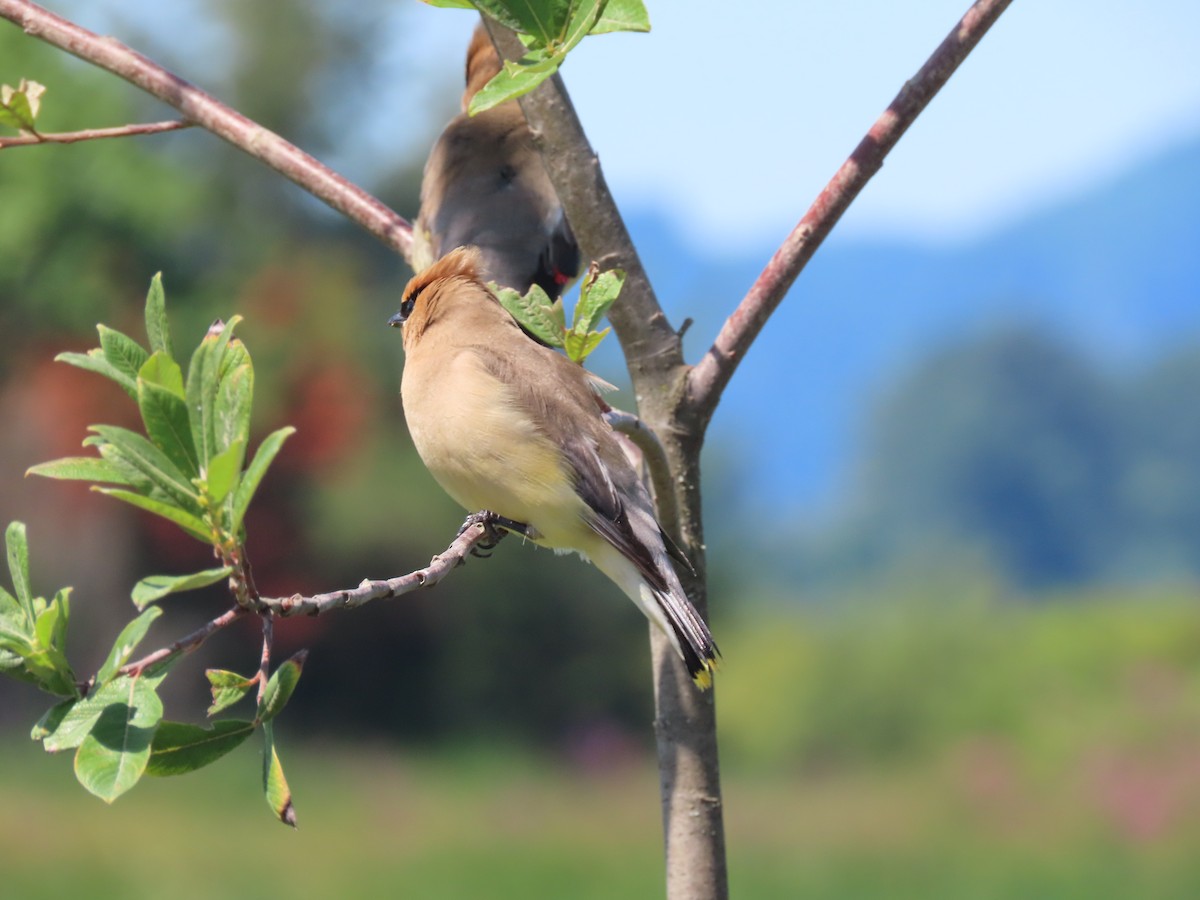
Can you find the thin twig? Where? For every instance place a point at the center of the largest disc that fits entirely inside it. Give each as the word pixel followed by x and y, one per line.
pixel 212 115
pixel 708 378
pixel 368 591
pixel 645 440
pixel 93 134
pixel 185 644
pixel 469 538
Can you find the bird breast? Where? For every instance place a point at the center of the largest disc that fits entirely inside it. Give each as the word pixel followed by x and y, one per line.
pixel 484 450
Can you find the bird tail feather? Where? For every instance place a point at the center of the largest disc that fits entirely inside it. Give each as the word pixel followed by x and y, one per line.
pixel 692 637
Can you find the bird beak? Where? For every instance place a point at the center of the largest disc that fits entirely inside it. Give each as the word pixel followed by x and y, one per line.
pixel 397 320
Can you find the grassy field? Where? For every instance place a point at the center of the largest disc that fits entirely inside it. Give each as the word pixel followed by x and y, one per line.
pixel 1040 752
pixel 380 824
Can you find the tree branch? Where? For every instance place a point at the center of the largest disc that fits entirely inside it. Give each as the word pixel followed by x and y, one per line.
pixel 709 377
pixel 92 134
pixel 185 644
pixel 685 718
pixel 209 113
pixel 477 535
pixel 655 456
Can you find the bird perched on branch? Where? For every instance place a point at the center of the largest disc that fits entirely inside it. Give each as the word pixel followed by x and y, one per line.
pixel 508 425
pixel 485 186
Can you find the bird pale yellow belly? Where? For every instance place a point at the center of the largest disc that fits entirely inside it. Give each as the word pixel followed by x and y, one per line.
pixel 487 454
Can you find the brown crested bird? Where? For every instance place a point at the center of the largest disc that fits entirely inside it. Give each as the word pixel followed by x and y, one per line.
pixel 507 425
pixel 485 186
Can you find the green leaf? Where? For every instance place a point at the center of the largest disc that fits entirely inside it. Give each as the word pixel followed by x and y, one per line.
pixel 189 523
pixel 66 730
pixel 49 670
pixel 232 413
pixel 596 297
pixel 19 106
pixel 179 748
pixel 114 753
pixel 69 729
pixel 94 361
pixel 203 382
pixel 496 9
pixel 18 567
pixel 514 80
pixel 535 312
pixel 558 315
pixel 79 468
pixel 132 475
pixel 622 15
pixel 46 628
pixel 227 688
pixel 10 607
pixel 12 665
pixel 52 719
pixel 280 687
pixel 451 4
pixel 158 329
pixel 131 635
pixel 15 666
pixel 38 669
pixel 544 20
pixel 579 346
pixel 62 599
pixel 235 354
pixel 165 415
pixel 581 21
pixel 125 354
pixel 162 370
pixel 275 786
pixel 16 634
pixel 155 587
pixel 223 471
pixel 256 470
pixel 154 464
pixel 49 660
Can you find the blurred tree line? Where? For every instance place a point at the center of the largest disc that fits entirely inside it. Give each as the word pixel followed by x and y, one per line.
pixel 1017 455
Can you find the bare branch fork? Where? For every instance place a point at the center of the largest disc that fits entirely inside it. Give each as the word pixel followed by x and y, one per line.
pixel 478 534
pixel 708 378
pixel 92 134
pixel 209 113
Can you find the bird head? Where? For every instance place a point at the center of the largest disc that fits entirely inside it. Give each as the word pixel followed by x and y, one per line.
pixel 459 267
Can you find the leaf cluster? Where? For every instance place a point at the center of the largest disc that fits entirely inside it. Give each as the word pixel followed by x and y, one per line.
pixel 546 320
pixel 549 29
pixel 189 468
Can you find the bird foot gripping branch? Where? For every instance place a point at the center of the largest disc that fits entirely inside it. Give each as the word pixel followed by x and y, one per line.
pixel 495 527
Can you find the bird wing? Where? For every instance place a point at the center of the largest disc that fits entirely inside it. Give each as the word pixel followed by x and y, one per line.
pixel 617 503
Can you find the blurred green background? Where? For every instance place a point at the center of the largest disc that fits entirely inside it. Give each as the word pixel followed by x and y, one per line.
pixel 978 676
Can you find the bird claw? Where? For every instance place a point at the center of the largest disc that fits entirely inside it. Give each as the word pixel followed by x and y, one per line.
pixel 494 528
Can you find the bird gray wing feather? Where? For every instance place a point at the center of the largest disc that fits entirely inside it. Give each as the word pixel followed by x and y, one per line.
pixel 603 476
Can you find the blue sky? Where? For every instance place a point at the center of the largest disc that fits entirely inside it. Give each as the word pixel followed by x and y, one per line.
pixel 730 117
pixel 733 121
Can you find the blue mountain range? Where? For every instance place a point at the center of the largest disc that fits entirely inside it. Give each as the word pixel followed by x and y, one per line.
pixel 1115 272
